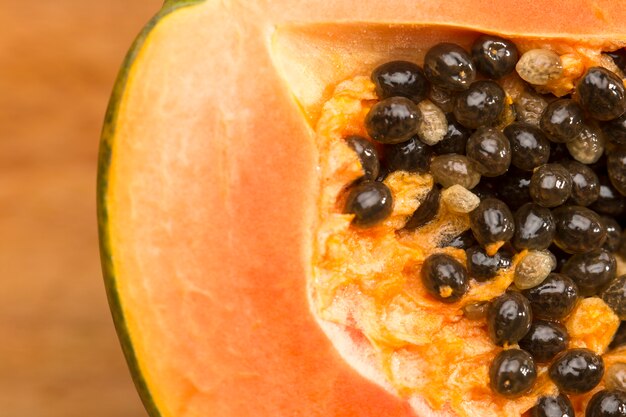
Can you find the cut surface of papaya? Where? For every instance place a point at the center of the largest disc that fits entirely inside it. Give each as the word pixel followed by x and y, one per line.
pixel 239 282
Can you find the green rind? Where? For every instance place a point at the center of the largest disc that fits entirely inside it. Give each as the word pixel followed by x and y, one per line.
pixel 107 143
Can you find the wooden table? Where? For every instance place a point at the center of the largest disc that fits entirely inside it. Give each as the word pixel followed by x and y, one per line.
pixel 59 356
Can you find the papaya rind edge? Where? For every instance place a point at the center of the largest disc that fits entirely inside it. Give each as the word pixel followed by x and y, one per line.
pixel 107 141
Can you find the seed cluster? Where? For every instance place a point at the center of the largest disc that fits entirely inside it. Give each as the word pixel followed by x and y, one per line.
pixel 544 175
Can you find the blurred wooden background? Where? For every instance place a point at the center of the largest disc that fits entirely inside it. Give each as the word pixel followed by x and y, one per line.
pixel 59 356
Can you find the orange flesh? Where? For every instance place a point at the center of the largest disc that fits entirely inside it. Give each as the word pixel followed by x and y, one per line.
pixel 368 279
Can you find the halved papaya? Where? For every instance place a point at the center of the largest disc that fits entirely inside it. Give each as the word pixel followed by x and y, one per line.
pixel 213 203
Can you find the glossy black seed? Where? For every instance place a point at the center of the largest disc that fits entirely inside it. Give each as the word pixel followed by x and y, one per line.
pixel 481 266
pixel 615 296
pixel 512 373
pixel 534 227
pixel 463 241
pixel 506 257
pixel 613 234
pixel 562 120
pixel 427 210
pixel 509 318
pixel 400 78
pixel 585 183
pixel 492 221
pixel 619 57
pixel 529 146
pixel 480 105
pixel 490 150
pixel 577 371
pixel 476 311
pixel 444 99
pixel 591 271
pixel 449 66
pixel 607 403
pixel 486 188
pixel 601 94
pixel 370 202
pixel 444 278
pixel 495 57
pixel 514 188
pixel 545 340
pixel 610 201
pixel 616 165
pixel 558 152
pixel 366 151
pixel 452 169
pixel 550 185
pixel 615 130
pixel 412 156
pixel 619 339
pixel 554 298
pixel 392 120
pixel 559 406
pixel 578 229
pixel 560 255
pixel 455 139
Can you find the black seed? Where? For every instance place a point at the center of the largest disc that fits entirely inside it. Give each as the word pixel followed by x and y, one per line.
pixel 559 406
pixel 412 156
pixel 601 94
pixel 444 278
pixel 452 169
pixel 607 403
pixel 554 298
pixel 492 221
pixel 480 105
pixel 392 120
pixel 550 185
pixel 366 151
pixel 577 371
pixel 529 146
pixel 443 99
pixel 509 318
pixel 455 139
pixel 615 296
pixel 463 241
pixel 514 188
pixel 610 201
pixel 534 227
pixel 400 78
pixel 616 165
pixel 481 266
pixel 613 234
pixel 449 66
pixel 476 311
pixel 490 150
pixel 585 183
pixel 370 202
pixel 506 257
pixel 616 130
pixel 562 120
pixel 619 339
pixel 545 340
pixel 426 211
pixel 485 189
pixel 578 229
pixel 494 57
pixel 619 57
pixel 512 373
pixel 591 270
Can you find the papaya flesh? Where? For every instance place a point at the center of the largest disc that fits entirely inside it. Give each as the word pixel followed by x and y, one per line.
pixel 208 189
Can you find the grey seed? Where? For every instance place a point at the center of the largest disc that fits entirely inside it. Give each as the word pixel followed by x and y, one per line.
pixel 539 66
pixel 534 268
pixel 433 126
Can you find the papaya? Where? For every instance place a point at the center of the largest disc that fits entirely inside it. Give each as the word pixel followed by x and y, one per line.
pixel 239 282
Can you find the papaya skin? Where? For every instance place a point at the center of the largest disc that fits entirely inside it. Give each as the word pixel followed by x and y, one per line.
pixel 206 194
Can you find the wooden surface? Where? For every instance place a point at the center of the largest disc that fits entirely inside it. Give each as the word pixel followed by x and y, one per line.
pixel 59 356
